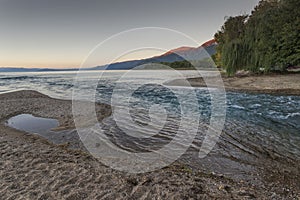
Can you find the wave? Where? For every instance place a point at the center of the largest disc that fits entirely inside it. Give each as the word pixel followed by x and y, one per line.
pixel 17 77
pixel 293 115
pixel 237 107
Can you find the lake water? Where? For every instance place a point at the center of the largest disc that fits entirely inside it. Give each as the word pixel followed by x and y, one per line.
pixel 253 121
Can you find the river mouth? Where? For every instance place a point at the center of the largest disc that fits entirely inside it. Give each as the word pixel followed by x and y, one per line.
pixel 241 153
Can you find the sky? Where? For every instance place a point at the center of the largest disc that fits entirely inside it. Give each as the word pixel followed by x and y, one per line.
pixel 62 33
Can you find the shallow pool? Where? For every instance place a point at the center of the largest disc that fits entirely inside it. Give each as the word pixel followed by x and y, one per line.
pixel 32 124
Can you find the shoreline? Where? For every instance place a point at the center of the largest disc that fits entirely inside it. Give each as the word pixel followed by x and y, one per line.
pixel 32 167
pixel 274 84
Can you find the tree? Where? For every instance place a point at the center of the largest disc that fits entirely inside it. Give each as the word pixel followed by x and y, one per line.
pixel 230 47
pixel 268 38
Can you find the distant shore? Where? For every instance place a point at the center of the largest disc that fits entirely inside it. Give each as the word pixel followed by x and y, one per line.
pixel 277 84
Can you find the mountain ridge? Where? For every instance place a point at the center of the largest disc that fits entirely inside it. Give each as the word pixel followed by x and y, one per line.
pixel 174 55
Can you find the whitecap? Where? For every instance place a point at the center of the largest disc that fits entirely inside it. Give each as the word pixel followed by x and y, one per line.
pixel 293 115
pixel 237 107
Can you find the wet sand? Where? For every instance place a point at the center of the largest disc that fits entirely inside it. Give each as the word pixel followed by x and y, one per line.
pixel 33 168
pixel 286 84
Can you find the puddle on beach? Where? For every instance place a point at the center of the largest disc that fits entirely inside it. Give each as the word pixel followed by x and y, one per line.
pixel 32 124
pixel 43 127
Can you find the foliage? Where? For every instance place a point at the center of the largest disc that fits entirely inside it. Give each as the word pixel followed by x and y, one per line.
pixel 179 65
pixel 190 65
pixel 268 38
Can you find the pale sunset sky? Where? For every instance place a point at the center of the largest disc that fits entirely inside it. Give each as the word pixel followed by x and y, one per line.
pixel 61 33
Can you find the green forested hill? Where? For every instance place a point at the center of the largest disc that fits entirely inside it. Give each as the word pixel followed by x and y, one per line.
pixel 268 39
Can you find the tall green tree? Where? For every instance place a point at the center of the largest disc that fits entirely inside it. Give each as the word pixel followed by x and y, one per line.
pixel 269 38
pixel 230 43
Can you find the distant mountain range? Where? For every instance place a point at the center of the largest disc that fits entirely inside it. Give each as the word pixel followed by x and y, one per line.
pixel 21 69
pixel 174 55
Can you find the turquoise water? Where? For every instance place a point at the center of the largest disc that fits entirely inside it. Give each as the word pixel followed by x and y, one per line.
pixel 252 121
pixel 275 112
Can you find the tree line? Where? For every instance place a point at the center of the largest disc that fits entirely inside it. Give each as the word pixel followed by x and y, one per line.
pixel 266 40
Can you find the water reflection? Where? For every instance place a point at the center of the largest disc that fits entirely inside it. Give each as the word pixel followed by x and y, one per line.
pixel 32 124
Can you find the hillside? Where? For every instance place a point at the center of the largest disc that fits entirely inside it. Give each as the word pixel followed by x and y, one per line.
pixel 174 55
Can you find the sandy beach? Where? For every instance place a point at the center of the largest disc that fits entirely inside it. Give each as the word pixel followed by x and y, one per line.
pixel 287 84
pixel 136 101
pixel 33 168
